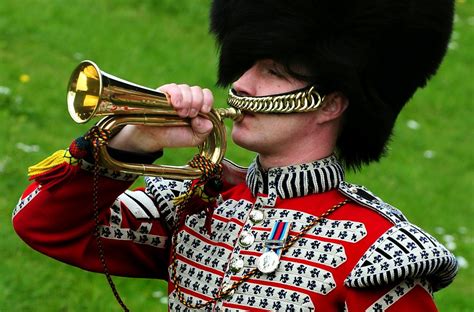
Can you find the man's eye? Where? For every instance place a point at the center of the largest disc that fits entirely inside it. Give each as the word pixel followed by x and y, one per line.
pixel 275 72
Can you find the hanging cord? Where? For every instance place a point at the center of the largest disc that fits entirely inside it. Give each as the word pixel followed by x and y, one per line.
pixel 99 137
pixel 202 193
pixel 254 272
pixel 211 172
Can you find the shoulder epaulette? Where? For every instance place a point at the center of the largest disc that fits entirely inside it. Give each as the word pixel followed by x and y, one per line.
pixel 404 252
pixel 365 198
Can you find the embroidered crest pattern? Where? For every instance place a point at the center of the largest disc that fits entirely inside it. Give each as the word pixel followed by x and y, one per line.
pixel 398 292
pixel 113 174
pixel 404 251
pixel 210 262
pixel 141 235
pixel 364 197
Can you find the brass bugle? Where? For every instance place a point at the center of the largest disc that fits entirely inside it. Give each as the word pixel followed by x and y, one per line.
pixel 93 93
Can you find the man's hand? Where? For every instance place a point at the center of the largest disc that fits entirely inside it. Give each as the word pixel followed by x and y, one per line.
pixel 188 102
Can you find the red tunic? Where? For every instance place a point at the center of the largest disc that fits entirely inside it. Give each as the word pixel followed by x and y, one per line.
pixel 365 256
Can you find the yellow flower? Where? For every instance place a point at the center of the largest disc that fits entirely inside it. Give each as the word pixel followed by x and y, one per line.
pixel 25 78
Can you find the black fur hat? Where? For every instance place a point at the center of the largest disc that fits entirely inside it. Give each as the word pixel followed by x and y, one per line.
pixel 377 52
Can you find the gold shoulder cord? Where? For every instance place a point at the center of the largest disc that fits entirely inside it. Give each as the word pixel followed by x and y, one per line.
pixel 301 101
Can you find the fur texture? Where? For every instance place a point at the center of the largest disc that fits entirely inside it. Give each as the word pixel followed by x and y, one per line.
pixel 377 52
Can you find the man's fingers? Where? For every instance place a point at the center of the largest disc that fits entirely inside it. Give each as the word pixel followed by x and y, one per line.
pixel 197 101
pixel 208 100
pixel 188 101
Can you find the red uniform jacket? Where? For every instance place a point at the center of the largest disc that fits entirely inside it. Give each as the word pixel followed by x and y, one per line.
pixel 365 256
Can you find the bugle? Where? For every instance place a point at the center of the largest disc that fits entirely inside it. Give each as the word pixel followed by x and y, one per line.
pixel 92 93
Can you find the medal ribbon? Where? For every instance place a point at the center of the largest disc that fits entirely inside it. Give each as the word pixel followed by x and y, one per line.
pixel 277 238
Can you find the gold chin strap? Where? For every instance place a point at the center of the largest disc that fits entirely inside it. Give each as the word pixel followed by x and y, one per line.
pixel 300 101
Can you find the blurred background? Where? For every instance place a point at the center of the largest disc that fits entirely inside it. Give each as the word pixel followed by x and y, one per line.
pixel 428 172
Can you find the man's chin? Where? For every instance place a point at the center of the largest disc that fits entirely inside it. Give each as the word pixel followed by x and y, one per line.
pixel 242 140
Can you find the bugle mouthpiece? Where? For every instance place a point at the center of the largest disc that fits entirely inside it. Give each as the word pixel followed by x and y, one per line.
pixel 230 112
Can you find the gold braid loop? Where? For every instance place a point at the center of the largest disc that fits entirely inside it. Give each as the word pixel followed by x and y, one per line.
pixel 209 170
pixel 306 100
pixel 98 136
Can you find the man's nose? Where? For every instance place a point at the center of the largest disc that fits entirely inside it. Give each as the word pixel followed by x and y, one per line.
pixel 246 85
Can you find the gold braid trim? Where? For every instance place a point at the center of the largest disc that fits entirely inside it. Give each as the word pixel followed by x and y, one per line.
pixel 306 100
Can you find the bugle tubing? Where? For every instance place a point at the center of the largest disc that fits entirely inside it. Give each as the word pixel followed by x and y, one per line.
pixel 93 93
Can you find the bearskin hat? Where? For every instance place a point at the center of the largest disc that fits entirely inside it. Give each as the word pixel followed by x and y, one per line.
pixel 376 52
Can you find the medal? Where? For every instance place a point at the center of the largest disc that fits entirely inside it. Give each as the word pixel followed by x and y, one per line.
pixel 269 261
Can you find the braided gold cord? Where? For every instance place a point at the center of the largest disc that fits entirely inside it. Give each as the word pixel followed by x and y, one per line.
pixel 298 102
pixel 98 138
pixel 206 166
pixel 313 223
pixel 209 170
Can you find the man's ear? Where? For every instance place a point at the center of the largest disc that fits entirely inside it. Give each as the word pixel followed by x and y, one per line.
pixel 333 107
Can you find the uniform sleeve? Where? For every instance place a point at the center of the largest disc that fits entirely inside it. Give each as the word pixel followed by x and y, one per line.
pixel 55 216
pixel 409 295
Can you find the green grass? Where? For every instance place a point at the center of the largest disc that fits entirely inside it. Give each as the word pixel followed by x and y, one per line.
pixel 154 42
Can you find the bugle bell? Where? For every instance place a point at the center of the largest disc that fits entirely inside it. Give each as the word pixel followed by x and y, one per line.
pixel 93 93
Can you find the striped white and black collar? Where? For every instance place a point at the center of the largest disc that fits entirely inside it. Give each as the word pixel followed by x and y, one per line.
pixel 296 180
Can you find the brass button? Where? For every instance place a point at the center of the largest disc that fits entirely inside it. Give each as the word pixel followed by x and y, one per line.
pixel 246 239
pixel 236 264
pixel 257 216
